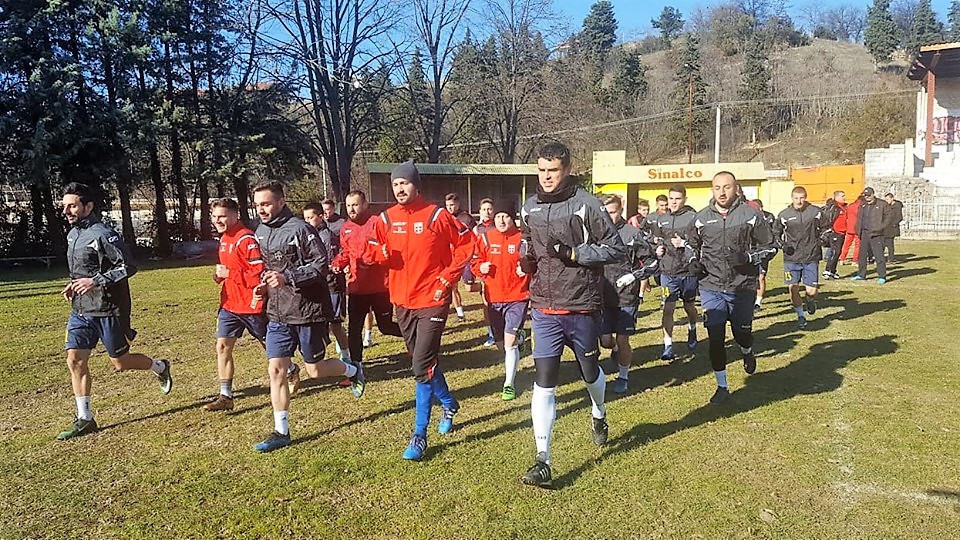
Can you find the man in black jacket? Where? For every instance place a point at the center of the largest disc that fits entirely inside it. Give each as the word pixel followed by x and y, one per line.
pixel 621 285
pixel 732 240
pixel 298 305
pixel 874 218
pixel 893 227
pixel 797 230
pixel 569 237
pixel 99 292
pixel 675 275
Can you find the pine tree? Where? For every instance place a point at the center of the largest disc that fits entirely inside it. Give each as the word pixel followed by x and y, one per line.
pixel 953 19
pixel 689 96
pixel 926 28
pixel 755 85
pixel 599 30
pixel 881 34
pixel 628 86
pixel 670 23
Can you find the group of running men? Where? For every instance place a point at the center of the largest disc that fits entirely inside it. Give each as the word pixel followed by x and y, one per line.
pixel 574 263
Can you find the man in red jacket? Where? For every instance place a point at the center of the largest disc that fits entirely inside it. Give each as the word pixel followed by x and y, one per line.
pixel 851 238
pixel 238 273
pixel 425 250
pixel 506 286
pixel 366 280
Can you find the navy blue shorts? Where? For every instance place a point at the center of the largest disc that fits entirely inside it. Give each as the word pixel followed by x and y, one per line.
pixel 795 273
pixel 579 331
pixel 467 276
pixel 764 267
pixel 232 325
pixel 283 340
pixel 339 301
pixel 680 287
pixel 735 307
pixel 506 317
pixel 618 320
pixel 83 332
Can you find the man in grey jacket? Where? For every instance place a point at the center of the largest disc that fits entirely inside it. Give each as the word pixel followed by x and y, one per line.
pixel 798 230
pixel 872 221
pixel 100 266
pixel 569 237
pixel 298 305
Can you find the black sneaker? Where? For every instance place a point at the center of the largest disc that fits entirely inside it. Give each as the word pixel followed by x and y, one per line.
pixel 78 428
pixel 802 323
pixel 749 362
pixel 166 381
pixel 539 474
pixel 600 431
pixel 811 306
pixel 720 395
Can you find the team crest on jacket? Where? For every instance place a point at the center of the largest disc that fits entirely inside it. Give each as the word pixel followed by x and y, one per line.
pixel 418 227
pixel 511 249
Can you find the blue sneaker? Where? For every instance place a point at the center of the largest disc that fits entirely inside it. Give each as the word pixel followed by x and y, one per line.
pixel 857 278
pixel 668 353
pixel 446 421
pixel 272 442
pixel 620 385
pixel 489 342
pixel 881 281
pixel 692 340
pixel 802 323
pixel 416 448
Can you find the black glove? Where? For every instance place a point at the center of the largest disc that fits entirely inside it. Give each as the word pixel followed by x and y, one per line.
pixel 826 237
pixel 559 250
pixel 789 250
pixel 696 269
pixel 737 258
pixel 528 265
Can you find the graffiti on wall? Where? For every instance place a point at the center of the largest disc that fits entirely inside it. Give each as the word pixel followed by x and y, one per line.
pixel 946 130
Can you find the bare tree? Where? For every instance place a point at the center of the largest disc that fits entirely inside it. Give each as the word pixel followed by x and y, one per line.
pixel 438 25
pixel 342 54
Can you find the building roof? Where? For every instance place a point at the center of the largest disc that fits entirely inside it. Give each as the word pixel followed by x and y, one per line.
pixel 460 169
pixel 943 59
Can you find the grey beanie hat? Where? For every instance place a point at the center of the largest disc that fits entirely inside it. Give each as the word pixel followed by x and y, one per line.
pixel 407 170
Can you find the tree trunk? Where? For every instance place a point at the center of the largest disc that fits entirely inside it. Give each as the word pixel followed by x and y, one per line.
pixel 159 203
pixel 55 232
pixel 205 232
pixel 126 212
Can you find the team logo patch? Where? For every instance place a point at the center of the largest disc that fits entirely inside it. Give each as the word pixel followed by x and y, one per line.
pixel 418 227
pixel 511 249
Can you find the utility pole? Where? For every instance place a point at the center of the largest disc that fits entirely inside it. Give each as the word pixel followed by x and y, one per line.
pixel 690 118
pixel 716 138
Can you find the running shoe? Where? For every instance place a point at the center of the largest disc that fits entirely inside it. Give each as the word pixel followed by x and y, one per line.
pixel 668 353
pixel 273 442
pixel 78 428
pixel 166 381
pixel 446 421
pixel 802 323
pixel 489 342
pixel 600 431
pixel 416 448
pixel 222 403
pixel 810 306
pixel 508 394
pixel 620 385
pixel 539 474
pixel 692 340
pixel 881 281
pixel 720 395
pixel 857 278
pixel 358 381
pixel 749 362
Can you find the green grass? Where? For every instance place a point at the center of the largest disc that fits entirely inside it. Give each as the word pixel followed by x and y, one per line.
pixel 847 430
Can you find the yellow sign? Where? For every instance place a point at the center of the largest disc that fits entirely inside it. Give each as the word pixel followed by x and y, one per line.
pixel 609 167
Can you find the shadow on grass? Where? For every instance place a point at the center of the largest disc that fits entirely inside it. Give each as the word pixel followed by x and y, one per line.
pixel 815 373
pixel 945 494
pixel 903 273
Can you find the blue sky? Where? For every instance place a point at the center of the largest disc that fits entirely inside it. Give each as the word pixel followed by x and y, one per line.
pixel 634 15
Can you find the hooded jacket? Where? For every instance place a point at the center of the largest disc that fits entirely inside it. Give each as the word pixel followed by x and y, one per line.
pixel 290 246
pixel 798 233
pixel 96 251
pixel 637 250
pixel 721 240
pixel 896 216
pixel 666 226
pixel 572 217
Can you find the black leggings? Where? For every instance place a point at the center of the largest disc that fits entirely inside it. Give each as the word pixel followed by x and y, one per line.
pixel 357 308
pixel 548 370
pixel 718 343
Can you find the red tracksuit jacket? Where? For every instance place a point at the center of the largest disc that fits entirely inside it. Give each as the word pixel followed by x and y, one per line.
pixel 422 246
pixel 240 253
pixel 366 276
pixel 502 251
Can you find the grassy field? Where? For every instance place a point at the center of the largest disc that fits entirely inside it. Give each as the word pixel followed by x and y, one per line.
pixel 847 430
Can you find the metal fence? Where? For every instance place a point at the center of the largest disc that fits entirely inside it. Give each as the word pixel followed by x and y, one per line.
pixel 930 219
